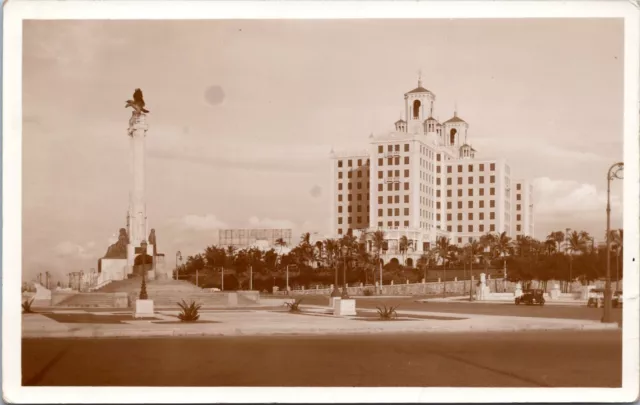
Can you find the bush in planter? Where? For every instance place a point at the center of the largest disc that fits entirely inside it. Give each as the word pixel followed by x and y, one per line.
pixel 387 314
pixel 26 306
pixel 367 292
pixel 189 311
pixel 294 306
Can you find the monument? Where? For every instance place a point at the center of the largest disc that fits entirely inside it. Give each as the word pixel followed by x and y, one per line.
pixel 131 254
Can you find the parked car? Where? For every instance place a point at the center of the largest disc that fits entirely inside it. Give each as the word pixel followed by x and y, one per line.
pixel 596 298
pixel 616 300
pixel 531 297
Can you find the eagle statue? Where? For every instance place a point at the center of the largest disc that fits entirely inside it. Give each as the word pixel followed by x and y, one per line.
pixel 137 103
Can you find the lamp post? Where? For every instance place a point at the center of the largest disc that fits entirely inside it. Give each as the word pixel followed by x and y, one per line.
pixel 615 172
pixel 178 257
pixel 335 293
pixel 143 286
pixel 345 252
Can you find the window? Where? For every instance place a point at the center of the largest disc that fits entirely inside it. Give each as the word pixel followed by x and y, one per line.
pixel 397 186
pixel 406 173
pixel 492 191
pixel 380 149
pixel 481 179
pixel 406 223
pixel 459 168
pixel 339 186
pixel 349 220
pixel 390 161
pixel 481 216
pixel 492 179
pixel 396 199
pixel 448 217
pixel 397 148
pixel 460 216
pixel 492 215
pixel 359 174
pixel 397 160
pixel 459 192
pixel 406 186
pixel 349 209
pixel 438 205
pixel 459 180
pixel 406 160
pixel 339 220
pixel 481 202
pixel 349 197
pixel 449 228
pixel 359 209
pixel 470 180
pixel 448 205
pixel 359 185
pixel 518 217
pixel 349 174
pixel 340 209
pixel 380 162
pixel 380 223
pixel 380 187
pixel 350 163
pixel 459 204
pixel 406 198
pixel 492 203
pixel 449 181
pixel 350 186
pixel 380 199
pixel 518 228
pixel 406 147
pixel 482 167
pixel 389 199
pixel 470 168
pixel 397 173
pixel 339 175
pixel 339 163
pixel 438 158
pixel 459 230
pixel 470 192
pixel 438 169
pixel 389 186
pixel 481 191
pixel 448 193
pixel 339 197
pixel 470 204
pixel 437 193
pixel 359 220
pixel 406 211
pixel 397 212
pixel 518 206
pixel 359 162
pixel 437 217
pixel 470 228
pixel 492 228
pixel 390 148
pixel 390 212
pixel 438 181
pixel 518 196
pixel 380 212
pixel 396 223
pixel 518 186
pixel 481 228
pixel 493 167
pixel 449 170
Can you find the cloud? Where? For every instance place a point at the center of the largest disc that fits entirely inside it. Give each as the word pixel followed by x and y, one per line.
pixel 533 147
pixel 567 196
pixel 69 249
pixel 316 191
pixel 202 222
pixel 256 222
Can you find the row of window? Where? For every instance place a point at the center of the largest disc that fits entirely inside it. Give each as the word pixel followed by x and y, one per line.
pixel 470 192
pixel 391 223
pixel 492 215
pixel 492 167
pixel 470 228
pixel 350 186
pixel 492 204
pixel 391 199
pixel 349 209
pixel 393 212
pixel 391 173
pixel 350 163
pixel 350 174
pixel 392 186
pixel 492 179
pixel 393 148
pixel 350 197
pixel 350 220
pixel 393 160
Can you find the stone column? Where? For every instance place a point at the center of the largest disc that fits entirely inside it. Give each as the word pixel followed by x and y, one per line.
pixel 137 203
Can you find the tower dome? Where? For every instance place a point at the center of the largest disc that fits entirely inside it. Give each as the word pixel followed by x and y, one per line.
pixel 454 129
pixel 418 106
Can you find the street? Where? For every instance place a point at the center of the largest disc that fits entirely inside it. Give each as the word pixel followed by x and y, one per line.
pixel 518 359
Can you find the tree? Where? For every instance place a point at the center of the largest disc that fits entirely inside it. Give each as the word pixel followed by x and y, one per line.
pixel 426 260
pixel 557 238
pixel 503 246
pixel 379 244
pixel 403 247
pixel 443 247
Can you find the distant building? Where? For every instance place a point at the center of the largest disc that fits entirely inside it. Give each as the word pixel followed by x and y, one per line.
pixel 262 238
pixel 423 181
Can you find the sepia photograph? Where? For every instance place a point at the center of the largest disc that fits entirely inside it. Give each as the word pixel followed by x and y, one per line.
pixel 292 202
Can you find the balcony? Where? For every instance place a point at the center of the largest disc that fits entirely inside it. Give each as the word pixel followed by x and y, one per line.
pixel 392 154
pixel 392 180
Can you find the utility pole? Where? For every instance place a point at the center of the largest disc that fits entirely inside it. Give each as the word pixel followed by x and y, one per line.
pixel 196 277
pixel 606 318
pixel 250 277
pixel 287 279
pixel 222 279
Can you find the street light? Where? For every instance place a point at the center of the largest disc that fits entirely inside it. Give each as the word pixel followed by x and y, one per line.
pixel 345 252
pixel 615 172
pixel 143 286
pixel 178 257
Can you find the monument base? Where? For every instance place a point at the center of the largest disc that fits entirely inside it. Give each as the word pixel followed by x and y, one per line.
pixel 344 307
pixel 143 309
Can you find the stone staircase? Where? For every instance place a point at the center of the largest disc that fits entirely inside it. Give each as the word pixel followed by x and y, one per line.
pixel 90 300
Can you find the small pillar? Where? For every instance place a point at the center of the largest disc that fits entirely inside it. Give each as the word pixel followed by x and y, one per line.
pixel 407 281
pixel 424 281
pixel 455 279
pixel 391 282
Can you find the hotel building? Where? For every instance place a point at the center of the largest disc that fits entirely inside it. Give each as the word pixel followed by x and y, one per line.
pixel 423 181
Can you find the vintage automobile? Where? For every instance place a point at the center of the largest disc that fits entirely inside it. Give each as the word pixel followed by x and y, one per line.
pixel 616 300
pixel 531 297
pixel 596 298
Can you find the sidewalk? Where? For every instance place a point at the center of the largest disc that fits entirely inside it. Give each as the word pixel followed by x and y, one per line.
pixel 311 322
pixel 503 301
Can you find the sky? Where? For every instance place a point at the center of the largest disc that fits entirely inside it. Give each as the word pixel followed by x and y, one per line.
pixel 244 114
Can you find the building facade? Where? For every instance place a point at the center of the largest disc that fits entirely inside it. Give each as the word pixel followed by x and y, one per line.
pixel 423 181
pixel 244 238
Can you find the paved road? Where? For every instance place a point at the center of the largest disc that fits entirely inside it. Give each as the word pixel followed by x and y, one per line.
pixel 410 304
pixel 527 359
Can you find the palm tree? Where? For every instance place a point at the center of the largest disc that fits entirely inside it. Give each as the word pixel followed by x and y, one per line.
pixel 576 243
pixel 443 247
pixel 472 251
pixel 404 246
pixel 503 246
pixel 557 237
pixel 378 244
pixel 617 244
pixel 332 247
pixel 426 259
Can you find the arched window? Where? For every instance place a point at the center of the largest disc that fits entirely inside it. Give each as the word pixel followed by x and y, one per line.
pixel 452 136
pixel 416 109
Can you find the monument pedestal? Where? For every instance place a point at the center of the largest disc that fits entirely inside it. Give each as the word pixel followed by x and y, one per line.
pixel 344 307
pixel 143 309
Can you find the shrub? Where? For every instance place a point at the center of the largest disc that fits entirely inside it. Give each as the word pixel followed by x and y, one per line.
pixel 294 306
pixel 367 292
pixel 189 311
pixel 387 314
pixel 26 306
